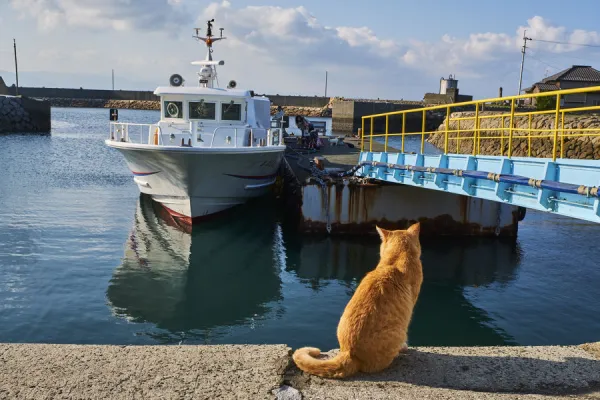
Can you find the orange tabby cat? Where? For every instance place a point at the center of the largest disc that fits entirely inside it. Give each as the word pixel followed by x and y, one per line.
pixel 373 328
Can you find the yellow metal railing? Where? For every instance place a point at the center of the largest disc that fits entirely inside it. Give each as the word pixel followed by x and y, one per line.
pixel 511 138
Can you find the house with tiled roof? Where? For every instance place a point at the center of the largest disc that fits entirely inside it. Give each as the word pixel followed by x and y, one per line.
pixel 577 76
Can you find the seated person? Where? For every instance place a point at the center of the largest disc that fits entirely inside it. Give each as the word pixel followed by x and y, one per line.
pixel 308 131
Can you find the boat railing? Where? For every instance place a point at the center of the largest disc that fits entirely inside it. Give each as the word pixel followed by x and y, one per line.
pixel 154 134
pixel 235 132
pixel 262 142
pixel 139 133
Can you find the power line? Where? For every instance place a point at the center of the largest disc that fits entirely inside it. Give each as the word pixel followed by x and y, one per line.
pixel 569 43
pixel 554 56
pixel 542 61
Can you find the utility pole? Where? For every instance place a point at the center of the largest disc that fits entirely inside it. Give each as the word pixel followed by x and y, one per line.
pixel 525 39
pixel 16 68
pixel 325 83
pixel 113 80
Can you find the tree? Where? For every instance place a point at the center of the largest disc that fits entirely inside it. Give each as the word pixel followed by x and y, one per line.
pixel 545 103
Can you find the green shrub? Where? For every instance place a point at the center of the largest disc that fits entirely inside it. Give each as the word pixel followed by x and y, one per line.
pixel 545 103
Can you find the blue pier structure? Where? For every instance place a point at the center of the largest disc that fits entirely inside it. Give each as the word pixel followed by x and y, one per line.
pixel 540 151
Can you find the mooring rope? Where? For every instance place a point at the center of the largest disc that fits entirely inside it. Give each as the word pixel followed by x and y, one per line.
pixel 319 176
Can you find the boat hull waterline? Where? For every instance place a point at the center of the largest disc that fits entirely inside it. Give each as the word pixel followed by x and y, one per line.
pixel 194 183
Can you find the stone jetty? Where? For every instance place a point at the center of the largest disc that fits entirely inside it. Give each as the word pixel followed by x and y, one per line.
pixel 21 115
pixel 45 371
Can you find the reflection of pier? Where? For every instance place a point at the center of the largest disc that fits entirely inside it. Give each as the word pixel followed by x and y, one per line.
pixel 450 266
pixel 222 274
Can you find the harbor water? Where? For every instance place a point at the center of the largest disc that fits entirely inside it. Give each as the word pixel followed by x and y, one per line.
pixel 85 259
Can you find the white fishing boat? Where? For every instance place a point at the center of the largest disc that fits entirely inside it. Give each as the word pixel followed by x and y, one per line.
pixel 212 149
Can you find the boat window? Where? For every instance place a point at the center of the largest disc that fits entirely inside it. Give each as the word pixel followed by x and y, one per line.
pixel 202 110
pixel 231 111
pixel 173 109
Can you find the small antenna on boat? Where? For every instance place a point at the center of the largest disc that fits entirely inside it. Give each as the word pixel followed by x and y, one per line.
pixel 208 72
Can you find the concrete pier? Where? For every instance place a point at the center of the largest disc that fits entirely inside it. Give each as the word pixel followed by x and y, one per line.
pixel 353 206
pixel 37 371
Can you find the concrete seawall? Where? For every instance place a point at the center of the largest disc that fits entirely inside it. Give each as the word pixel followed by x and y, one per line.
pixel 347 114
pixel 147 95
pixel 24 115
pixel 155 105
pixel 36 371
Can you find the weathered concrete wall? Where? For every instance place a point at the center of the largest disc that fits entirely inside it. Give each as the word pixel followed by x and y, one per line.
pixel 574 147
pixel 67 93
pixel 155 105
pixel 347 114
pixel 141 95
pixel 355 208
pixel 19 115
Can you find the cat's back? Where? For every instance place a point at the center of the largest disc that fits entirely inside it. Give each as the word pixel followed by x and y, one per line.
pixel 376 318
pixel 384 292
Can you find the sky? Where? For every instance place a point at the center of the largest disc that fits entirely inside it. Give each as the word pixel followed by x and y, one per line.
pixel 388 49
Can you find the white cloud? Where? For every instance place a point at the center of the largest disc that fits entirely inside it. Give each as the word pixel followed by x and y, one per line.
pixel 106 14
pixel 293 35
pixel 286 49
pixel 473 56
pixel 540 28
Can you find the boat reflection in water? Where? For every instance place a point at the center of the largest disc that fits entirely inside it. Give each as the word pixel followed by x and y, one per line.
pixel 454 269
pixel 222 274
pixel 233 281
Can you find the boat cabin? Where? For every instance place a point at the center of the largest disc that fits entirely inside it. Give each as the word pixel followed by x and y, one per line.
pixel 213 117
pixel 204 116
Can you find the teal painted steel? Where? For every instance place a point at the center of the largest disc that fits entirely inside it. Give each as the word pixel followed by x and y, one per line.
pixel 558 194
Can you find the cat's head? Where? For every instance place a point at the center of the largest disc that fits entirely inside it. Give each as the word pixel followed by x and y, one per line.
pixel 400 241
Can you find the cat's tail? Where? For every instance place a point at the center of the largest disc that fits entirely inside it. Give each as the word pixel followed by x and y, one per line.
pixel 341 366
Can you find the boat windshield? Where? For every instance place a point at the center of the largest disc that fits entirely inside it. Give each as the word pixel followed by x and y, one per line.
pixel 231 111
pixel 203 110
pixel 173 109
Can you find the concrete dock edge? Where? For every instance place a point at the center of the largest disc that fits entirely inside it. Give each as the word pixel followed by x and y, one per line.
pixel 40 371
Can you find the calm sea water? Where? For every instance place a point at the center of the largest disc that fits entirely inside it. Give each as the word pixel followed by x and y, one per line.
pixel 85 259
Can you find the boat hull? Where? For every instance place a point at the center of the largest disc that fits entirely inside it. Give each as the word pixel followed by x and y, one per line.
pixel 193 184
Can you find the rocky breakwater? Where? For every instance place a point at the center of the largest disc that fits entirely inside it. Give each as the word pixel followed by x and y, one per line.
pixel 309 112
pixel 155 105
pixel 101 103
pixel 22 115
pixel 541 138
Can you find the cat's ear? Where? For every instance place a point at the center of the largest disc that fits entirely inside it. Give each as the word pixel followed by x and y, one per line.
pixel 383 234
pixel 415 229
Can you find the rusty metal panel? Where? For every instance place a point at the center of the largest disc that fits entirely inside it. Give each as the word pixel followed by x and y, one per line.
pixel 355 208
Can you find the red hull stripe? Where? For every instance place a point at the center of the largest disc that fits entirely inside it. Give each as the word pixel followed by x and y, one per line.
pixel 144 173
pixel 190 221
pixel 253 176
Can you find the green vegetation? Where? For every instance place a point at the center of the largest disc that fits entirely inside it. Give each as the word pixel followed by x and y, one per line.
pixel 545 103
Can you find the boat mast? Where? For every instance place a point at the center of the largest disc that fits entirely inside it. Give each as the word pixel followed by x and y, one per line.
pixel 208 72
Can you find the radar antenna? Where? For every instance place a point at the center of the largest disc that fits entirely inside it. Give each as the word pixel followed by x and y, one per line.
pixel 208 73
